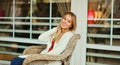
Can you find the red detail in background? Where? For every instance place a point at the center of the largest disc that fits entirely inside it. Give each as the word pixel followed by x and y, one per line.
pixel 1 13
pixel 91 14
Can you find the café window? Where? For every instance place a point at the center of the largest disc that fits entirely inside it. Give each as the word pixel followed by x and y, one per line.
pixel 103 26
pixel 29 18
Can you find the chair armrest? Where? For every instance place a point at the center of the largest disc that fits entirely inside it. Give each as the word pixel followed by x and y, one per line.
pixel 43 57
pixel 33 49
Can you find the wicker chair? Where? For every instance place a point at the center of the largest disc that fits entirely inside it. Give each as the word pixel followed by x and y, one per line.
pixel 35 57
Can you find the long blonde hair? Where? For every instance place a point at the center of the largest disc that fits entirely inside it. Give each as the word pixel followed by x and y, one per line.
pixel 56 36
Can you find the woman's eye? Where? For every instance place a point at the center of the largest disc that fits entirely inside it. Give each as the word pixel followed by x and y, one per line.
pixel 68 21
pixel 64 18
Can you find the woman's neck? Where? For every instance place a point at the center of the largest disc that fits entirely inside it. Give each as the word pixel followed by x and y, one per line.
pixel 64 30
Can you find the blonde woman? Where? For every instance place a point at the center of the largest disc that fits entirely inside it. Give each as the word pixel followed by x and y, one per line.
pixel 57 39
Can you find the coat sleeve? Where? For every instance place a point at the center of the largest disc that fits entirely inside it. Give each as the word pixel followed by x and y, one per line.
pixel 61 45
pixel 46 35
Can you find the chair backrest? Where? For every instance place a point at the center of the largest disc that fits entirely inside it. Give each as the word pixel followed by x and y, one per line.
pixel 70 47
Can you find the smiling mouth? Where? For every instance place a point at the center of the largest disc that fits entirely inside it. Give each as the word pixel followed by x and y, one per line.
pixel 63 25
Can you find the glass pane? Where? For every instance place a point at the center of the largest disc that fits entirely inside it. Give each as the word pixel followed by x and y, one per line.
pixel 116 33
pixel 55 10
pixel 21 34
pixel 102 57
pixel 40 8
pixel 59 7
pixel 40 24
pixel 22 28
pixel 99 33
pixel 116 27
pixel 6 8
pixel 22 24
pixel 22 8
pixel 116 8
pixel 6 28
pixel 98 9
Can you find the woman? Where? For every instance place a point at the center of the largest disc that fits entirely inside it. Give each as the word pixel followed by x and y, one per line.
pixel 57 39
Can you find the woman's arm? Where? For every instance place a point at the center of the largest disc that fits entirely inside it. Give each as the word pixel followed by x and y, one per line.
pixel 46 35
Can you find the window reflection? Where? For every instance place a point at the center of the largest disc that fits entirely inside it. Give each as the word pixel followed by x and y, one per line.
pixel 35 15
pixel 103 29
pixel 99 30
pixel 116 8
pixel 102 57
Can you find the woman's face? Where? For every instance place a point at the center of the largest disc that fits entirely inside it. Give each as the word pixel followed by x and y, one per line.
pixel 66 22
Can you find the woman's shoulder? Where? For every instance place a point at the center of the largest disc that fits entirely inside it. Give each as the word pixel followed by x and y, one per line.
pixel 69 33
